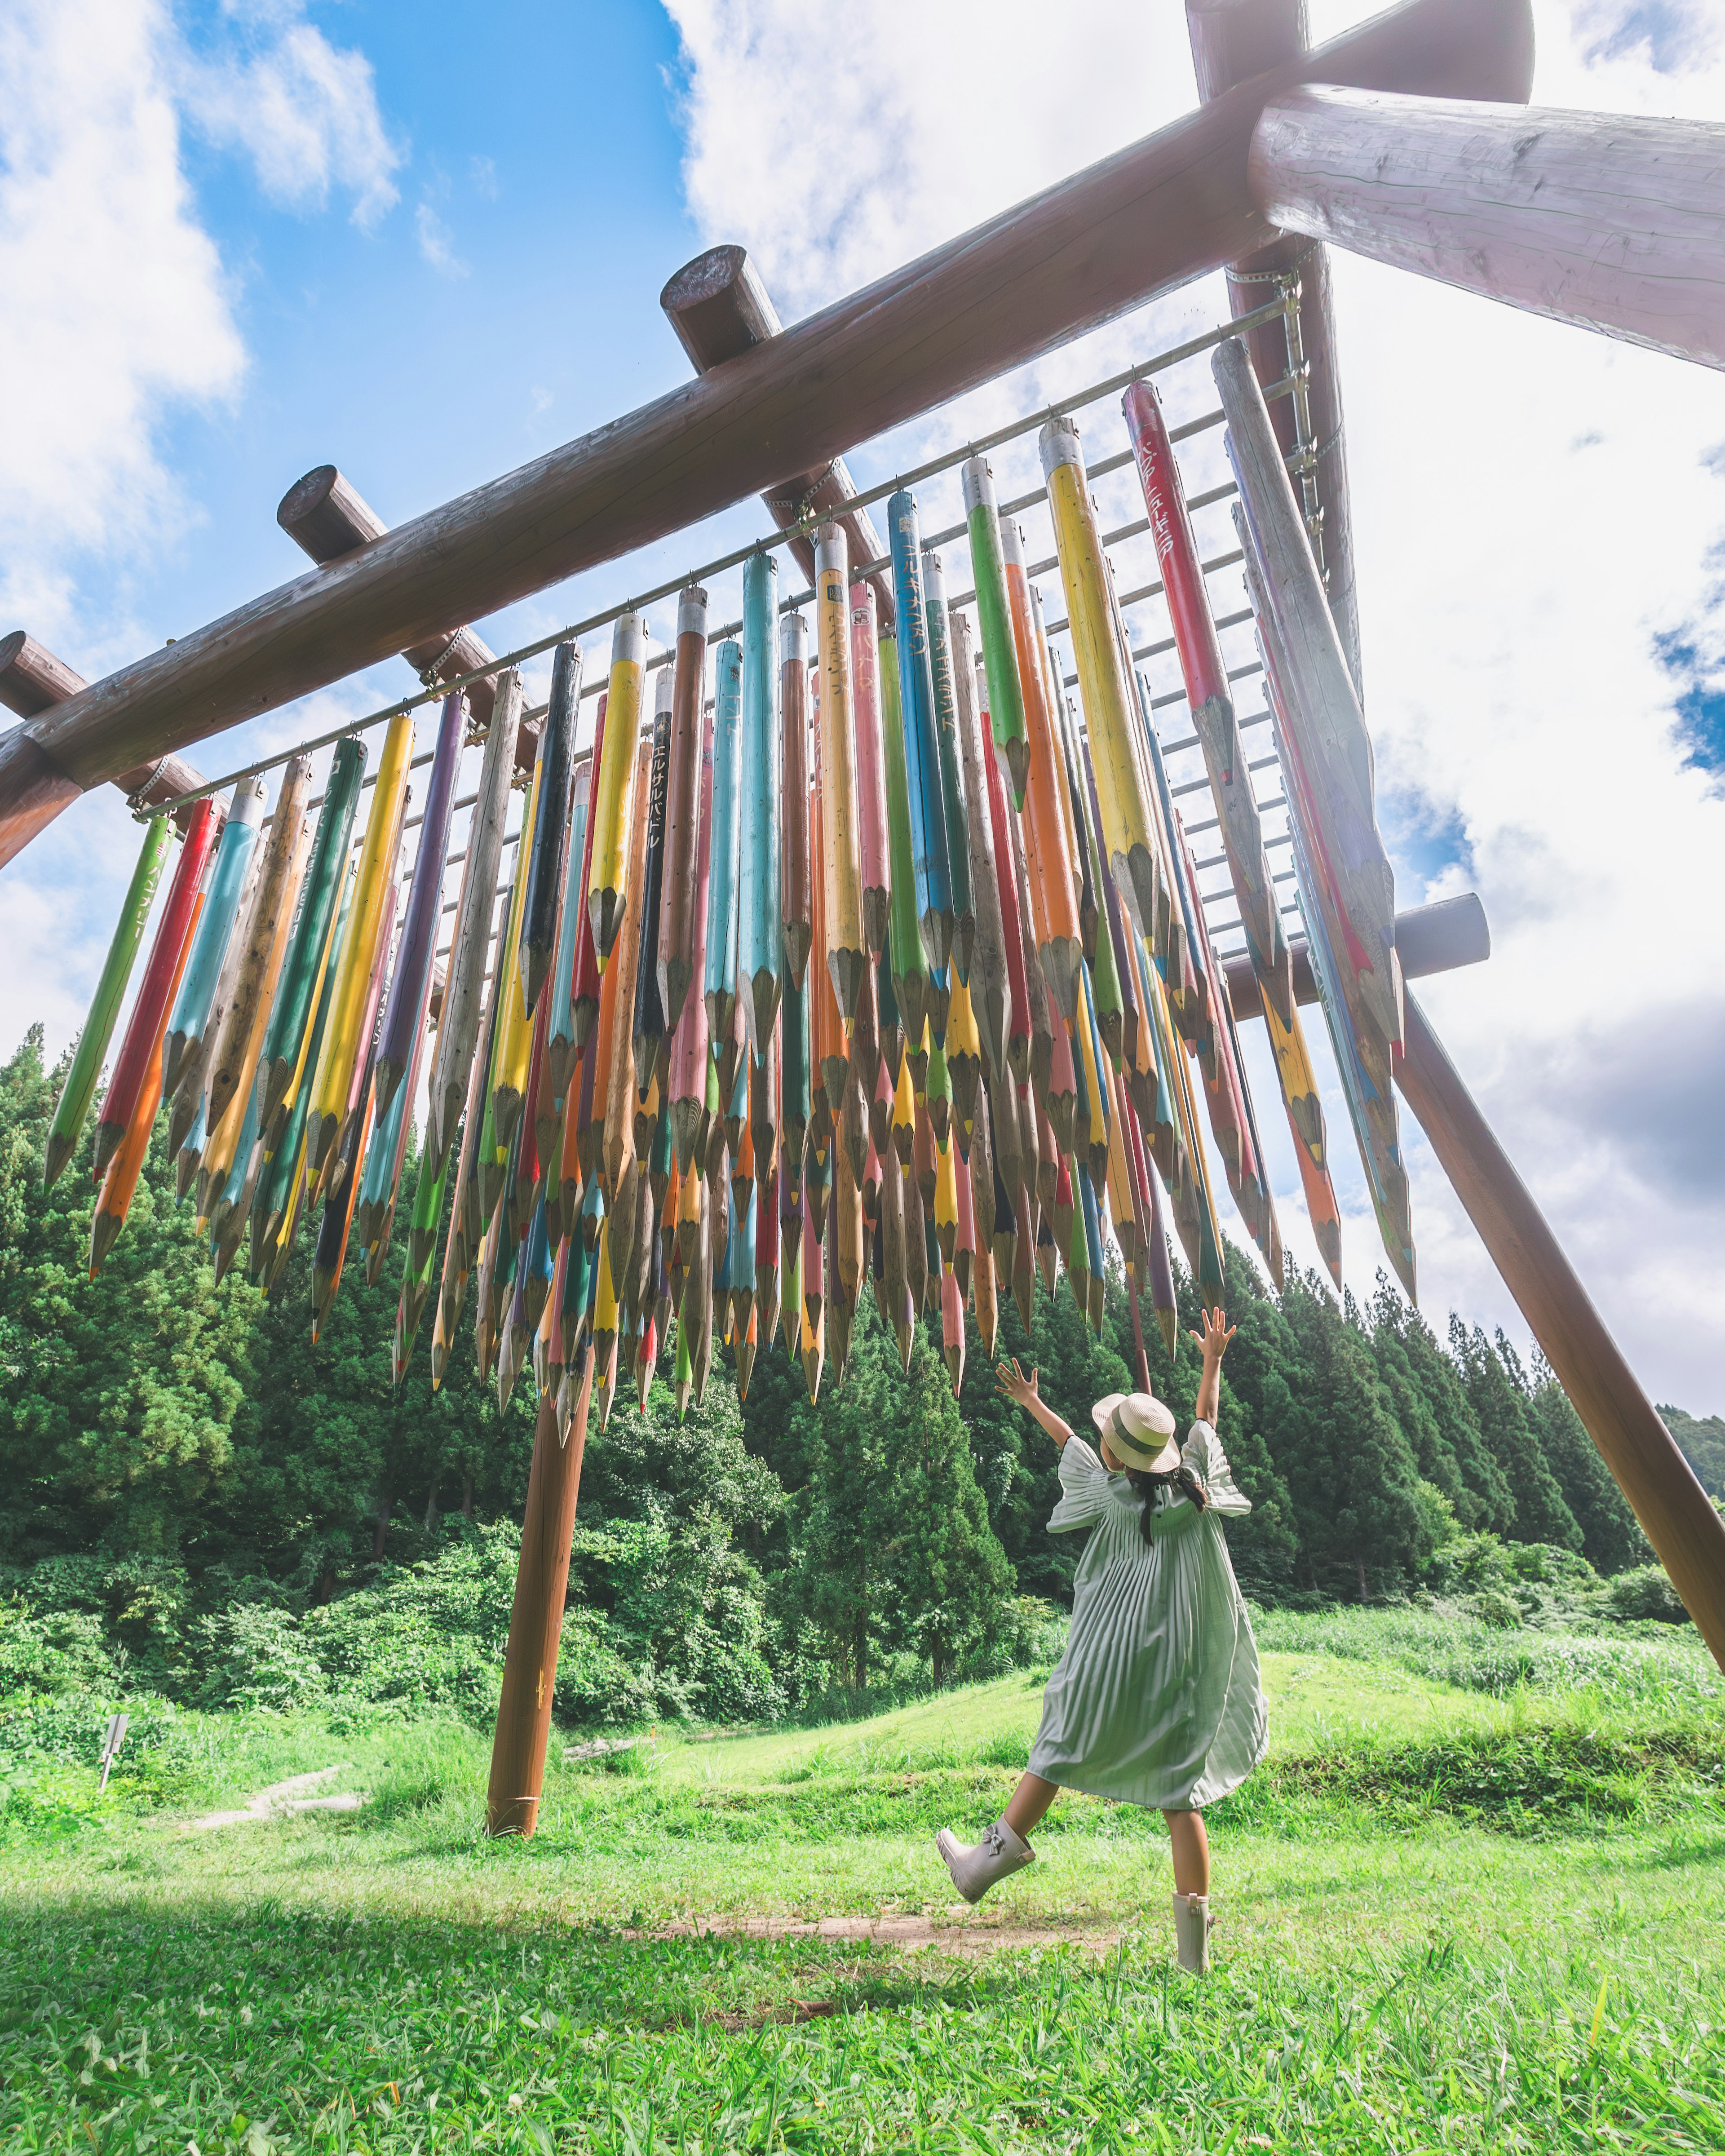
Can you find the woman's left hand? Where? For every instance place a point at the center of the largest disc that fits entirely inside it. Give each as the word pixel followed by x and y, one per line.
pixel 1216 1334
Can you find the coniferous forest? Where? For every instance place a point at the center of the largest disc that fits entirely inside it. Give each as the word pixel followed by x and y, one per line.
pixel 203 1502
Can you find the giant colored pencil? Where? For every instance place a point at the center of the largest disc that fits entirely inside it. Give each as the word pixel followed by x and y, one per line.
pixel 1053 897
pixel 360 1083
pixel 550 832
pixel 868 647
pixel 280 1186
pixel 150 1012
pixel 79 1089
pixel 1014 922
pixel 1347 886
pixel 232 1061
pixel 941 662
pixel 797 840
pixel 342 1043
pixel 322 889
pixel 228 1214
pixel 120 1182
pixel 463 993
pixel 512 1042
pixel 999 658
pixel 618 1153
pixel 925 801
pixel 190 1093
pixel 909 963
pixel 686 1079
pixel 584 976
pixel 1110 717
pixel 1305 1122
pixel 841 937
pixel 410 978
pixel 760 938
pixel 335 1221
pixel 228 879
pixel 678 956
pixel 1206 675
pixel 722 835
pixel 612 815
pixel 648 1027
pixel 991 991
pixel 560 1045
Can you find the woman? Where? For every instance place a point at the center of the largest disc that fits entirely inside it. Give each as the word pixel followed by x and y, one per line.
pixel 1157 1700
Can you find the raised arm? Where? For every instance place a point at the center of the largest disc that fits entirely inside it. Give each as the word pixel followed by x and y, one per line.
pixel 1213 1341
pixel 1011 1382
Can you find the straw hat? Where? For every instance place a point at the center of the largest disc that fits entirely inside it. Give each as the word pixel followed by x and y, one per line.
pixel 1140 1431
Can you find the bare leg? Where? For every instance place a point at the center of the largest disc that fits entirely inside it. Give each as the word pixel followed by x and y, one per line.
pixel 1191 1849
pixel 1029 1801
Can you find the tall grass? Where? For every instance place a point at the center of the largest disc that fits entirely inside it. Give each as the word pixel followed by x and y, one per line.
pixel 1659 1666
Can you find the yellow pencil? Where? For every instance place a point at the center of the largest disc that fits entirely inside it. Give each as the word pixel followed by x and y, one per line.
pixel 612 803
pixel 514 1048
pixel 376 865
pixel 1108 709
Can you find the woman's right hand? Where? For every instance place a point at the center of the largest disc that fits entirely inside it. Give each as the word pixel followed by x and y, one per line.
pixel 1012 1381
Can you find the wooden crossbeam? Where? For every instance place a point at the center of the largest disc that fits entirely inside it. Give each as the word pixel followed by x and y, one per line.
pixel 1613 222
pixel 1142 222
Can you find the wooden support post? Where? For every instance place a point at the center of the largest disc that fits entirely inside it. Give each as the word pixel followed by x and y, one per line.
pixel 1674 1511
pixel 1429 939
pixel 1150 218
pixel 31 680
pixel 326 517
pixel 720 309
pixel 536 1620
pixel 1613 222
pixel 1232 41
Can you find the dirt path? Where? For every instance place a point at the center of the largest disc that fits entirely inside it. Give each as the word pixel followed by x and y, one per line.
pixel 282 1799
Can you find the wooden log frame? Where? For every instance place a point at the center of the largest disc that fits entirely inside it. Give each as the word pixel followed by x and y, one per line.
pixel 1687 1535
pixel 720 309
pixel 33 681
pixel 1232 41
pixel 1144 221
pixel 326 517
pixel 542 1581
pixel 1610 221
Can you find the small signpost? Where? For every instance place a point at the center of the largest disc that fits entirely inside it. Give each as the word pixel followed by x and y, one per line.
pixel 110 1747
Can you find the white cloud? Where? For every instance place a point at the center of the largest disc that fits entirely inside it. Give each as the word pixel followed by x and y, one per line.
pixel 127 307
pixel 303 111
pixel 904 127
pixel 1535 507
pixel 437 243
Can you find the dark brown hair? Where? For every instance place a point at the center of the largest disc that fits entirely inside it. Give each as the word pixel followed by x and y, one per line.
pixel 1147 1486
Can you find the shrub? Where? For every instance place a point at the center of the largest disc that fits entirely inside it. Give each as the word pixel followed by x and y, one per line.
pixel 255 1655
pixel 54 1651
pixel 1646 1592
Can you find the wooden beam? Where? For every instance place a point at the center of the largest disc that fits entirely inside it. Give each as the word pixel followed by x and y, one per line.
pixel 1429 939
pixel 1144 221
pixel 720 309
pixel 325 516
pixel 536 1619
pixel 33 681
pixel 1611 221
pixel 1232 41
pixel 1675 1515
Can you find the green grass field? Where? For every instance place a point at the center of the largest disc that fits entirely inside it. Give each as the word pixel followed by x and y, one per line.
pixel 1447 1921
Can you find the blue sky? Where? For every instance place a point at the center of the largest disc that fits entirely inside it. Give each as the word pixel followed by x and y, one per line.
pixel 426 244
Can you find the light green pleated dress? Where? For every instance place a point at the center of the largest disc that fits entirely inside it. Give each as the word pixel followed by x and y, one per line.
pixel 1157 1700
